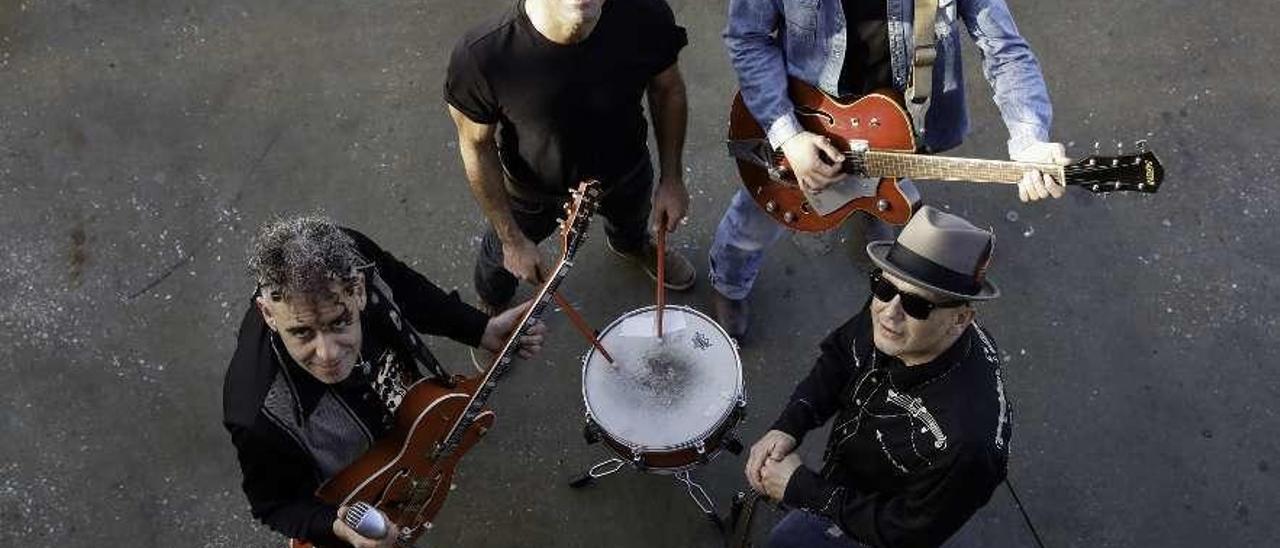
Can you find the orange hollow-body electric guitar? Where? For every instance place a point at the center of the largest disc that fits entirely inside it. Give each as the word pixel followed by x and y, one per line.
pixel 875 134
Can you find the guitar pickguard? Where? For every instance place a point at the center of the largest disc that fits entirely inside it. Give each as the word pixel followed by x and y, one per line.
pixel 834 197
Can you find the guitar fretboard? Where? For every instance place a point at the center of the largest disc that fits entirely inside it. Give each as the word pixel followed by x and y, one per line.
pixel 503 361
pixel 942 168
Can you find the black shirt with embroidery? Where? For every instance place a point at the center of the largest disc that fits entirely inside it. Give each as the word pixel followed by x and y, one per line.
pixel 913 451
pixel 292 432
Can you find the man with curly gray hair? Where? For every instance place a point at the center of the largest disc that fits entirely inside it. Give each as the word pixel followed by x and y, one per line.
pixel 302 255
pixel 326 352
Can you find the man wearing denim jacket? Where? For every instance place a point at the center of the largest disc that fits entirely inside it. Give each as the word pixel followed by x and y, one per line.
pixel 849 48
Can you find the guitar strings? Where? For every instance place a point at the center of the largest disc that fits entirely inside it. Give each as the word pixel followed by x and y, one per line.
pixel 994 168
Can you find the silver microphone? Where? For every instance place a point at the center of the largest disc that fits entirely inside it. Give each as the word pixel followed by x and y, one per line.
pixel 366 521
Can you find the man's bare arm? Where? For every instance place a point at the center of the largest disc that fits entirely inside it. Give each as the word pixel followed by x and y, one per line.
pixel 480 160
pixel 669 109
pixel 479 151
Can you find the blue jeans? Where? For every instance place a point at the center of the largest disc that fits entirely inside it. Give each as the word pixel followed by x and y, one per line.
pixel 625 208
pixel 800 529
pixel 745 232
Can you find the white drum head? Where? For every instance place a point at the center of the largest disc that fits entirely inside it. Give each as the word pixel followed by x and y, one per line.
pixel 662 393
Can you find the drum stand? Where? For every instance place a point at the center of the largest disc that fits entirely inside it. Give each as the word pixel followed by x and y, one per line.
pixel 684 477
pixel 695 490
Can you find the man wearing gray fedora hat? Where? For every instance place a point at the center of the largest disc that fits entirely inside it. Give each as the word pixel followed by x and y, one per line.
pixel 921 431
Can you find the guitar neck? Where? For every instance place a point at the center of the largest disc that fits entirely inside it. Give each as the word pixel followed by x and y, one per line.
pixel 944 168
pixel 503 360
pixel 545 294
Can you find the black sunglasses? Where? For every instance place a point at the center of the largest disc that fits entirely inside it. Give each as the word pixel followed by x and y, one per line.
pixel 914 305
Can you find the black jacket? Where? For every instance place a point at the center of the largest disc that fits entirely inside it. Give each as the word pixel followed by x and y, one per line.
pixel 913 451
pixel 268 405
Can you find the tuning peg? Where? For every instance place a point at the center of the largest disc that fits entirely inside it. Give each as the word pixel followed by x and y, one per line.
pixel 1141 144
pixel 1097 147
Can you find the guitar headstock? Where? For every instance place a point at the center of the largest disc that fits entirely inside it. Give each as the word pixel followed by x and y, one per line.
pixel 1140 172
pixel 578 211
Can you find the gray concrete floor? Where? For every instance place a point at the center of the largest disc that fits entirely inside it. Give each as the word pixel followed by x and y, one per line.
pixel 141 142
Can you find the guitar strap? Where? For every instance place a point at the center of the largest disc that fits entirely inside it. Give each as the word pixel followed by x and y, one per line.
pixel 924 52
pixel 383 312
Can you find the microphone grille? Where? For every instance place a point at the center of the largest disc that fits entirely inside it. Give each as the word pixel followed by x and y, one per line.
pixel 366 520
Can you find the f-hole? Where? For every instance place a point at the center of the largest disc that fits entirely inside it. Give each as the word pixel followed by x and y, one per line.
pixel 806 111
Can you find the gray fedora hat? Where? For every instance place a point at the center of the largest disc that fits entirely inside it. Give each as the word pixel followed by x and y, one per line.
pixel 940 252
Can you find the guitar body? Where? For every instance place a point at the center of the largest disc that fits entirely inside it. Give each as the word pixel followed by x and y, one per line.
pixel 398 475
pixel 875 118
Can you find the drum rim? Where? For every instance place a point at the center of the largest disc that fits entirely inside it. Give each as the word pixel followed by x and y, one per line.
pixel 720 423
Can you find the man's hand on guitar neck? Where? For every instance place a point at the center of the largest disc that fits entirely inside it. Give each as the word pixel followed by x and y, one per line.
pixel 345 532
pixel 814 161
pixel 500 326
pixel 1036 185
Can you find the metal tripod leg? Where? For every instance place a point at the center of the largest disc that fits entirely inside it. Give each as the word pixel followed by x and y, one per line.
pixel 701 498
pixel 597 471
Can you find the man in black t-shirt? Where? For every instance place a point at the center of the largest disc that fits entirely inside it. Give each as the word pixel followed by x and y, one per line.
pixel 549 94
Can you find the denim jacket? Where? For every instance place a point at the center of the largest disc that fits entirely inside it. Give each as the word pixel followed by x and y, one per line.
pixel 771 39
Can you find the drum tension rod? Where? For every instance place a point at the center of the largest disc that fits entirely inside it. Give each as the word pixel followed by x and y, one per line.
pixel 576 319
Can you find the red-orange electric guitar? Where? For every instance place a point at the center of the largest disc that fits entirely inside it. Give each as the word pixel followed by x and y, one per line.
pixel 407 474
pixel 875 134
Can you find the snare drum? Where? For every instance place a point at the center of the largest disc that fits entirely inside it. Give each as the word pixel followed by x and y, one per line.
pixel 666 404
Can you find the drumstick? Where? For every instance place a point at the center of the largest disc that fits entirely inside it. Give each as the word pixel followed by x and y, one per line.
pixel 581 325
pixel 662 271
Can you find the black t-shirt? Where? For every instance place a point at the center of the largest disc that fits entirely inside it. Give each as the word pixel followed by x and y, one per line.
pixel 565 112
pixel 866 61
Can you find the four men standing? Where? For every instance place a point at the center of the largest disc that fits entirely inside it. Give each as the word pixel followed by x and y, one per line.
pixel 550 93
